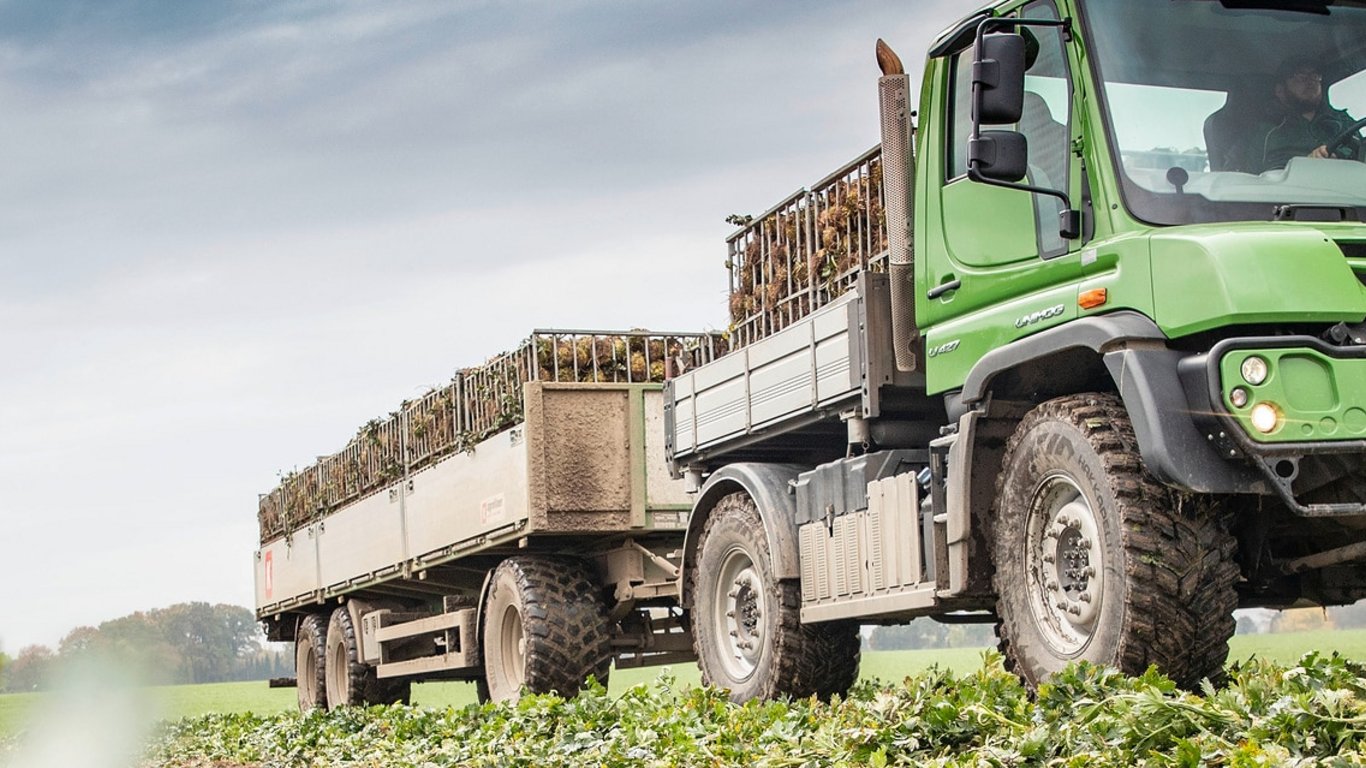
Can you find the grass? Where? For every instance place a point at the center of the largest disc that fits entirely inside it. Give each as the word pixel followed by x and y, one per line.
pixel 178 701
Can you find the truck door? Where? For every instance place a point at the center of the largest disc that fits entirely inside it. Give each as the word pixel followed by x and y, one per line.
pixel 996 244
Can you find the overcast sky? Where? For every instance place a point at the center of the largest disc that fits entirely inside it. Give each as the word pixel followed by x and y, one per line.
pixel 231 232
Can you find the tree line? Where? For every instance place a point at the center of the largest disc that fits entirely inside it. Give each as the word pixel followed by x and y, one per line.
pixel 184 643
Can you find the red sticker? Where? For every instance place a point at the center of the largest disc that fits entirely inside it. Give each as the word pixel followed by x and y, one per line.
pixel 269 574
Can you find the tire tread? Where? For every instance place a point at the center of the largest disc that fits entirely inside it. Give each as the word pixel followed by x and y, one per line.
pixel 1181 569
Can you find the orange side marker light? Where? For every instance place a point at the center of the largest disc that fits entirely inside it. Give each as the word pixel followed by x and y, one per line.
pixel 1092 298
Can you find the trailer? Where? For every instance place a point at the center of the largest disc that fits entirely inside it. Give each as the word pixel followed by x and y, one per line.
pixel 378 560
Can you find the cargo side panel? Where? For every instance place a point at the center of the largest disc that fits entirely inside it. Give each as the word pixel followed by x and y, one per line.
pixel 808 371
pixel 363 540
pixel 468 495
pixel 287 567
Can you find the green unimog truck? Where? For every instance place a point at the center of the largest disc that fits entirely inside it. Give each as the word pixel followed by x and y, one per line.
pixel 1079 350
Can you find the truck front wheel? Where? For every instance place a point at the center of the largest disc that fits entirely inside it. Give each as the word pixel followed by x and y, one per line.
pixel 545 627
pixel 310 647
pixel 1097 561
pixel 747 625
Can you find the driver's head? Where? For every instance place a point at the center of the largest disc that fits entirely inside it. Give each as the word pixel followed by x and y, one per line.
pixel 1299 84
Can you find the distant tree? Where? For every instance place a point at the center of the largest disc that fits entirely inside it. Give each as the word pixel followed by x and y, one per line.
pixel 137 642
pixel 79 643
pixel 4 662
pixel 182 643
pixel 209 639
pixel 30 670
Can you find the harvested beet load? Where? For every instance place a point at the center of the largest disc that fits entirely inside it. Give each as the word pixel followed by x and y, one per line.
pixel 807 250
pixel 479 402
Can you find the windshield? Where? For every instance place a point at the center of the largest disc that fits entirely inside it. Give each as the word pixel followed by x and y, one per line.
pixel 1222 113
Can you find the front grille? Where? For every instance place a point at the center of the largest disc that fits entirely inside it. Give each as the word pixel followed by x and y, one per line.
pixel 1353 249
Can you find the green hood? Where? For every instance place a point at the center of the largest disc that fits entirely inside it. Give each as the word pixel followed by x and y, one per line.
pixel 1215 275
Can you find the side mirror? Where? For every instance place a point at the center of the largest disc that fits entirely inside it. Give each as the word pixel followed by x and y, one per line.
pixel 999 155
pixel 998 79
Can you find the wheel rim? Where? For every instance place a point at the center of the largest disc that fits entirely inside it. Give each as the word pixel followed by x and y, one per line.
pixel 1065 562
pixel 337 670
pixel 512 647
pixel 739 607
pixel 307 676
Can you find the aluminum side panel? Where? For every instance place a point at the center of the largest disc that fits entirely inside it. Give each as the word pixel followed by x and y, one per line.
pixel 361 539
pixel 722 402
pixel 815 363
pixel 468 494
pixel 287 568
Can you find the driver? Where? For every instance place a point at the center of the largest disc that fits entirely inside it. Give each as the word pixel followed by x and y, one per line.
pixel 1302 120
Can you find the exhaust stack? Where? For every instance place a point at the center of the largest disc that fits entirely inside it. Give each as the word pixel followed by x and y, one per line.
pixel 898 176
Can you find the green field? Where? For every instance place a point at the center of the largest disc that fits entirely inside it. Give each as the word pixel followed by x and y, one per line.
pixel 190 700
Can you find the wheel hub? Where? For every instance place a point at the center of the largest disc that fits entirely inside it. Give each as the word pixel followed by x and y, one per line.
pixel 1065 558
pixel 741 618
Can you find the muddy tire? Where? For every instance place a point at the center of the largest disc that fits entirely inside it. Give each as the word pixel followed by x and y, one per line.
pixel 310 648
pixel 1097 561
pixel 545 627
pixel 747 628
pixel 350 681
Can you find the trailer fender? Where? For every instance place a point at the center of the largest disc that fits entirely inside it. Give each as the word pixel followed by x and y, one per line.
pixel 771 487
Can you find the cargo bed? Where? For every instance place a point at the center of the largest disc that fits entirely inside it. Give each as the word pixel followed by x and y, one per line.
pixel 830 363
pixel 587 459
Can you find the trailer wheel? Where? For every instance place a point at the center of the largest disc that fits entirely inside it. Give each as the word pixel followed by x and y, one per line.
pixel 310 647
pixel 1097 561
pixel 545 627
pixel 747 628
pixel 350 681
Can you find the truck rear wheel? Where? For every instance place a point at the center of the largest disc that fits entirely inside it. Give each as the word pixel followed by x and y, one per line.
pixel 545 628
pixel 1097 561
pixel 747 628
pixel 310 648
pixel 350 681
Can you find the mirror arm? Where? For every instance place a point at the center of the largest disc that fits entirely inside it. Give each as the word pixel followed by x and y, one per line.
pixel 1070 222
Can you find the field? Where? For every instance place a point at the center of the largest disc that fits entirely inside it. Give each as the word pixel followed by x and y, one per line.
pixel 173 702
pixel 1309 713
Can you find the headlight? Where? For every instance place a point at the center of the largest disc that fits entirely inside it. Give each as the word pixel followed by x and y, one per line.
pixel 1254 370
pixel 1266 417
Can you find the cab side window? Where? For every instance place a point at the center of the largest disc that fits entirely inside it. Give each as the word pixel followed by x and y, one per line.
pixel 1045 122
pixel 961 120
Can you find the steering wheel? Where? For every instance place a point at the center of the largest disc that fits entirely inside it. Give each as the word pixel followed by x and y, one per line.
pixel 1347 135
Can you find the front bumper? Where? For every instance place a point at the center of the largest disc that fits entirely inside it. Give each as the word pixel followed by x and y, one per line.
pixel 1318 392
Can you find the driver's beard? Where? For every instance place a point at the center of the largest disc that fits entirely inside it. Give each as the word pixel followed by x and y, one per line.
pixel 1303 105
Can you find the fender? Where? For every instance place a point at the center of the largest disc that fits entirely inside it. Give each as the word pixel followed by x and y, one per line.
pixel 1098 334
pixel 1144 370
pixel 770 485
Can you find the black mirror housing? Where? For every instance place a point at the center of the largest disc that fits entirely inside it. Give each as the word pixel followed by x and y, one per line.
pixel 999 155
pixel 998 79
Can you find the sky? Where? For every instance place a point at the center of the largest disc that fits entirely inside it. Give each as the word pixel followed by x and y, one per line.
pixel 232 232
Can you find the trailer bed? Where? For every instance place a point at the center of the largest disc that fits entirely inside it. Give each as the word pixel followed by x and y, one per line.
pixel 587 459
